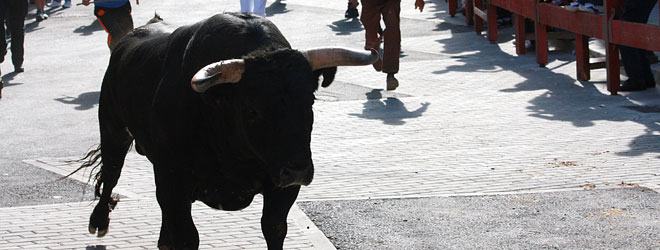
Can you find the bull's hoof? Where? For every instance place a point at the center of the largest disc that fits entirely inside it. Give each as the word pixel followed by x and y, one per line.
pixel 99 221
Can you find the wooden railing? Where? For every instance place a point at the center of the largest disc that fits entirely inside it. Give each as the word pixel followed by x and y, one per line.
pixel 582 24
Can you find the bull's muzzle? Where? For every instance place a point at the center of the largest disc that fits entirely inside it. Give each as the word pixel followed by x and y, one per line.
pixel 292 175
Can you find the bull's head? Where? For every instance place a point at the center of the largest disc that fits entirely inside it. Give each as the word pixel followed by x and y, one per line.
pixel 276 92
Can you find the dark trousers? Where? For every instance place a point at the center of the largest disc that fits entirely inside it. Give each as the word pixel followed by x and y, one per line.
pixel 634 60
pixel 13 12
pixel 117 22
pixel 372 10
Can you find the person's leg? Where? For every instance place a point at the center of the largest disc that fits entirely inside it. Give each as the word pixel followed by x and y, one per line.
pixel 392 41
pixel 246 6
pixel 371 21
pixel 351 10
pixel 41 14
pixel 3 41
pixel 260 7
pixel 634 60
pixel 16 23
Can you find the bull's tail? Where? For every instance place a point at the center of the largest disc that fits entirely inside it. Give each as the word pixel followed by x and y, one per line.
pixel 91 159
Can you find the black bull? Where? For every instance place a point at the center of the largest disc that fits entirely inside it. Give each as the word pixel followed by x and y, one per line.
pixel 222 109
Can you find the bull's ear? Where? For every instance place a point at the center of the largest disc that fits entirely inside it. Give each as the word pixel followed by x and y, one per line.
pixel 328 76
pixel 222 72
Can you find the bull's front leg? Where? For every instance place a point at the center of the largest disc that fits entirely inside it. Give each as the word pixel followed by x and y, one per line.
pixel 178 229
pixel 277 202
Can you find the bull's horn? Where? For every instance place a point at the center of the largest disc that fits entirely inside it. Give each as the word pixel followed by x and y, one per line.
pixel 227 71
pixel 331 57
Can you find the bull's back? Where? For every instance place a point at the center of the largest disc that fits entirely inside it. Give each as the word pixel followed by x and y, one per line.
pixel 131 79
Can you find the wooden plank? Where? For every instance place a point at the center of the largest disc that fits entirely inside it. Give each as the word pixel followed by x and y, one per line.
pixel 526 8
pixel 635 35
pixel 587 24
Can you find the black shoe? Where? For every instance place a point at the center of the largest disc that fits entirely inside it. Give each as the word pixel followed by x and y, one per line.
pixel 351 12
pixel 629 86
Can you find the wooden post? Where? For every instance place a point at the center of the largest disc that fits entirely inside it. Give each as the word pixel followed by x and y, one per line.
pixel 453 5
pixel 478 22
pixel 469 11
pixel 541 43
pixel 611 51
pixel 582 57
pixel 492 23
pixel 519 24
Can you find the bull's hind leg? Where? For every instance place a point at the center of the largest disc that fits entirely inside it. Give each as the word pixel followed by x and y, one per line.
pixel 277 202
pixel 115 143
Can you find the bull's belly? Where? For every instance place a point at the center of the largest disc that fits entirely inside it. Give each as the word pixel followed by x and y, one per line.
pixel 228 198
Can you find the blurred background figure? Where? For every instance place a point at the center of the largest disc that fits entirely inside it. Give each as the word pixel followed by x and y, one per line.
pixel 256 7
pixel 58 3
pixel 115 17
pixel 352 11
pixel 41 14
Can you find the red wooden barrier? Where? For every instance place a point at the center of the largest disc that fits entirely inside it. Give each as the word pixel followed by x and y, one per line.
pixel 453 7
pixel 520 10
pixel 583 25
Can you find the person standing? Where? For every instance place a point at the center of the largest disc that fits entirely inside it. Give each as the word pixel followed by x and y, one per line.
pixel 635 61
pixel 13 12
pixel 256 7
pixel 372 10
pixel 115 17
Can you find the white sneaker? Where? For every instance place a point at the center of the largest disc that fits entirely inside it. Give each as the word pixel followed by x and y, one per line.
pixel 67 4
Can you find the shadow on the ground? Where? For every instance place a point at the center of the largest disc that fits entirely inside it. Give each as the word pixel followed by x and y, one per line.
pixel 563 98
pixel 277 7
pixel 86 30
pixel 8 79
pixel 390 110
pixel 84 101
pixel 346 26
pixel 95 247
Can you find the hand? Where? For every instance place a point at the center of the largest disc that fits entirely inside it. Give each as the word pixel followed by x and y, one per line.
pixel 85 2
pixel 419 4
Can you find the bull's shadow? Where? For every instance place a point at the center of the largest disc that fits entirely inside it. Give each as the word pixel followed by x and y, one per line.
pixel 86 30
pixel 345 27
pixel 390 110
pixel 84 101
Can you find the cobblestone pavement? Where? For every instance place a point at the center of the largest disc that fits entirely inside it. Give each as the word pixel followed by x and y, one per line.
pixel 469 118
